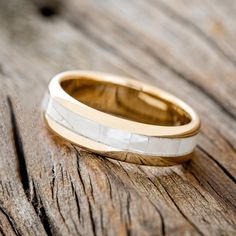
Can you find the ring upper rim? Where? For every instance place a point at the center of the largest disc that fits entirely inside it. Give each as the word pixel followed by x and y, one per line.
pixel 57 92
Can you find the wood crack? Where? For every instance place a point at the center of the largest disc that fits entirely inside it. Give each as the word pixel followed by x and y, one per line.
pixel 109 186
pixel 41 211
pixel 19 149
pixel 52 182
pixel 159 212
pixel 196 175
pixel 79 174
pixel 1 231
pixel 189 183
pixel 58 204
pixel 226 172
pixel 103 228
pixel 91 217
pixel 76 200
pixel 148 199
pixel 91 187
pixel 163 230
pixel 23 173
pixel 10 220
pixel 93 224
pixel 181 212
pixel 128 207
pixel 157 209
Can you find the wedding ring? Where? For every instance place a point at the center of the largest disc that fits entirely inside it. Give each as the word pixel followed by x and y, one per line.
pixel 121 118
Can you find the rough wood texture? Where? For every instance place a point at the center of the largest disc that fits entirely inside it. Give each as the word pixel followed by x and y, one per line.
pixel 48 187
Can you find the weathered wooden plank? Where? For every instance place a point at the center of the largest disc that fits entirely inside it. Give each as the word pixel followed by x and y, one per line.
pixel 17 215
pixel 213 21
pixel 74 192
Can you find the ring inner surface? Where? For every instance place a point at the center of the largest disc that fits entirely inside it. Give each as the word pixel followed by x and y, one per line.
pixel 126 102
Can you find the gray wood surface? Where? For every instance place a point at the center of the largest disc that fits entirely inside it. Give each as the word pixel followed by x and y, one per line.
pixel 49 187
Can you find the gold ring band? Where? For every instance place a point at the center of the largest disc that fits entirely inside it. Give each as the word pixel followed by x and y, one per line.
pixel 121 118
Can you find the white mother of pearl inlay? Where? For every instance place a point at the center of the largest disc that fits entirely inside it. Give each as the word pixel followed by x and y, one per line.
pixel 119 139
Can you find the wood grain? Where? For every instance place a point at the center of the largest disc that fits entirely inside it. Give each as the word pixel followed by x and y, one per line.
pixel 50 187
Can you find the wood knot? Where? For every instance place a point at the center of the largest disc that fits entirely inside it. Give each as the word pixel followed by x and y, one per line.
pixel 47 11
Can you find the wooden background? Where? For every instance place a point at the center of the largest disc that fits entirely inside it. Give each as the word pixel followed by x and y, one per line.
pixel 48 187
